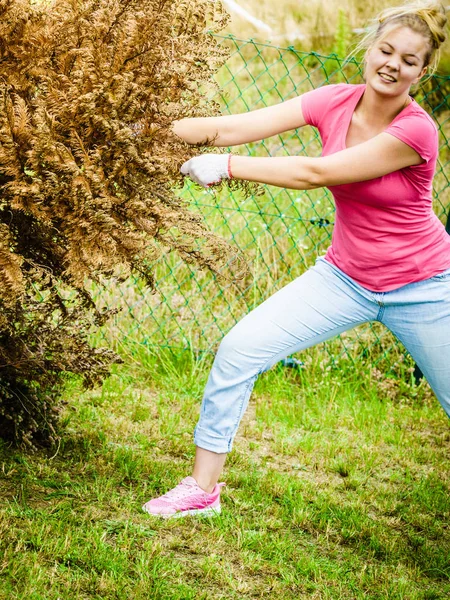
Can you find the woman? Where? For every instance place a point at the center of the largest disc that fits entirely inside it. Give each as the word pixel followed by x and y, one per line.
pixel 390 256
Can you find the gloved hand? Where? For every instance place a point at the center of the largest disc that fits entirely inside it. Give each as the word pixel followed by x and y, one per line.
pixel 208 169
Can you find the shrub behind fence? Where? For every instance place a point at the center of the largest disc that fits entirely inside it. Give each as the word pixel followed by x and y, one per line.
pixel 281 231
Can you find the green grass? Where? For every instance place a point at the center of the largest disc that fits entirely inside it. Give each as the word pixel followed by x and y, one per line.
pixel 337 487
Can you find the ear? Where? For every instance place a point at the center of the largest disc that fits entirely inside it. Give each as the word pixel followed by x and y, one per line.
pixel 422 73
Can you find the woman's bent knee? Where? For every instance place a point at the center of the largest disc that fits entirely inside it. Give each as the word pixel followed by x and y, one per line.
pixel 238 352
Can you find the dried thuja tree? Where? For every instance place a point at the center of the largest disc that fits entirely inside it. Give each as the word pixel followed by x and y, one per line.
pixel 88 162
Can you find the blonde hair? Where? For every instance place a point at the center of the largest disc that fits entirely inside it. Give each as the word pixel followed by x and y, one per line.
pixel 424 17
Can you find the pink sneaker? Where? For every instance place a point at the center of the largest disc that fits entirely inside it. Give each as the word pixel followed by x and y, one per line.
pixel 187 498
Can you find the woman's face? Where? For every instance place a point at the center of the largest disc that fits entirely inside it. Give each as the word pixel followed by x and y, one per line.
pixel 396 61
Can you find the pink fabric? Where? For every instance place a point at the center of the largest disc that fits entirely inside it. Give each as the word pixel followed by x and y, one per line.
pixel 386 234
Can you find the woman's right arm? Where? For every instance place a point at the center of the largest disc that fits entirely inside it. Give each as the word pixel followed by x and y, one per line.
pixel 232 130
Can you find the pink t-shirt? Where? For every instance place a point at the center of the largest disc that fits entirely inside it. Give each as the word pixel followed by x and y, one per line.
pixel 386 234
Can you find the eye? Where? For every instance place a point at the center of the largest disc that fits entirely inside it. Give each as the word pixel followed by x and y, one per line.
pixel 385 52
pixel 410 63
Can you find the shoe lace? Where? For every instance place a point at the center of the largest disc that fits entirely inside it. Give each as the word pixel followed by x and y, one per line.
pixel 176 492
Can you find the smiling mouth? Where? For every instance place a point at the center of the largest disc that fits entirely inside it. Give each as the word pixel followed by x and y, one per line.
pixel 387 78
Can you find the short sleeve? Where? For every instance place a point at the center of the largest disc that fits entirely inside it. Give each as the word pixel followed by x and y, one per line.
pixel 419 132
pixel 316 102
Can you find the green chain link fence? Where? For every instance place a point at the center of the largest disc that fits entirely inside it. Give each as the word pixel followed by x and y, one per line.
pixel 280 232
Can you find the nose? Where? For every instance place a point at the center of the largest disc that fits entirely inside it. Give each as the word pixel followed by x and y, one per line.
pixel 393 62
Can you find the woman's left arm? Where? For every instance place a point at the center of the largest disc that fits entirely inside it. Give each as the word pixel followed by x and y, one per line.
pixel 378 156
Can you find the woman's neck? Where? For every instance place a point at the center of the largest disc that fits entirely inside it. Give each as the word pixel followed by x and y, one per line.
pixel 378 109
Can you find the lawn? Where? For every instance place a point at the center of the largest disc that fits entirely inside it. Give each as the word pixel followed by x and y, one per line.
pixel 337 488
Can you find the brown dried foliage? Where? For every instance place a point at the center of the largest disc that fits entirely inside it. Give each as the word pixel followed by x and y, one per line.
pixel 88 162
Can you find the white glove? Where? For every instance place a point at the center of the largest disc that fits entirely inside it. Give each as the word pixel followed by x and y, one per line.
pixel 208 169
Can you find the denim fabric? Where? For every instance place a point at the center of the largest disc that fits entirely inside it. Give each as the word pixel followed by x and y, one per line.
pixel 316 306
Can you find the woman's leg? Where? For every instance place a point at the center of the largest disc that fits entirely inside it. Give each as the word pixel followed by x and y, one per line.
pixel 419 315
pixel 207 468
pixel 320 304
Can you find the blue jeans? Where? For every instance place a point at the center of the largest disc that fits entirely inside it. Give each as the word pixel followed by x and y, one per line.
pixel 316 306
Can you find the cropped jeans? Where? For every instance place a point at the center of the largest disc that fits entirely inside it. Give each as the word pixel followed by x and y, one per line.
pixel 320 304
